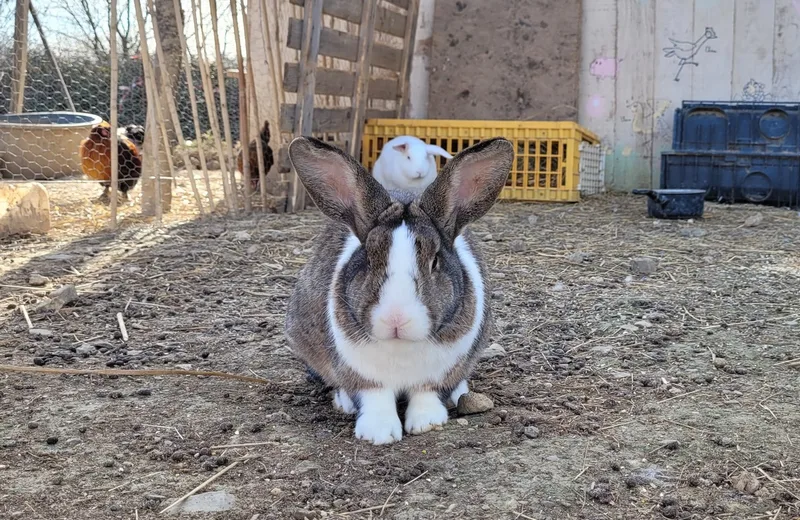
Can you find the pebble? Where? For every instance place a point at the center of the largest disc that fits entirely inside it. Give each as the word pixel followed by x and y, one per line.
pixel 144 392
pixel 644 265
pixel 37 280
pixel 693 232
pixel 40 332
pixel 559 287
pixel 643 324
pixel 33 425
pixel 532 219
pixel 86 350
pixel 720 362
pixel 462 422
pixel 276 491
pixel 178 456
pixel 52 440
pixel 579 257
pixel 517 246
pixel 108 463
pixel 242 236
pixel 59 298
pixel 532 432
pixel 473 402
pixel 754 220
pixel 493 351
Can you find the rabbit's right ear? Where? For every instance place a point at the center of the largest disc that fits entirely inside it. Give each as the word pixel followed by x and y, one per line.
pixel 340 187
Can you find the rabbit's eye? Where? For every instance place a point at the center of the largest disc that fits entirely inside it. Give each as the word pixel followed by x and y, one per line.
pixel 435 263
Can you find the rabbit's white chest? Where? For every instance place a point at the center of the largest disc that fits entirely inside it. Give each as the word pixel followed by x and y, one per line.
pixel 400 364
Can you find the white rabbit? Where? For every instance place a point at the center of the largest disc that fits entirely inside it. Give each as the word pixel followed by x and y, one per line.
pixel 407 163
pixel 393 301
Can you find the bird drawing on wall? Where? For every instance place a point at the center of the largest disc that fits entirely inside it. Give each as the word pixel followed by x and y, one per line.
pixel 686 51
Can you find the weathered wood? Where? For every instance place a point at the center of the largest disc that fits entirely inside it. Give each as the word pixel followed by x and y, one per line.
pixel 252 103
pixel 386 21
pixel 114 106
pixel 244 126
pixel 635 45
pixel 366 36
pixel 230 161
pixel 409 37
pixel 334 82
pixel 714 55
pixel 338 44
pixel 19 65
pixel 786 76
pixel 402 4
pixel 674 19
pixel 330 120
pixel 187 71
pixel 304 110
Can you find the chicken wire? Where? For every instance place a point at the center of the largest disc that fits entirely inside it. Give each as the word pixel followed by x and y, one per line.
pixel 42 141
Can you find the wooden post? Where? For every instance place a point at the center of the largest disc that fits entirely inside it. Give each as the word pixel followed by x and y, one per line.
pixel 153 98
pixel 361 94
pixel 223 101
pixel 112 44
pixel 253 104
pixel 244 127
pixel 52 56
pixel 312 27
pixel 187 69
pixel 403 85
pixel 166 84
pixel 19 66
pixel 211 105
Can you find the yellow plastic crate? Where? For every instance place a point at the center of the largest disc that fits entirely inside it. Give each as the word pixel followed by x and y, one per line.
pixel 546 167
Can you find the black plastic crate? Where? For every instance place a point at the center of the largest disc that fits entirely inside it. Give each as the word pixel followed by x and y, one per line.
pixel 735 176
pixel 737 126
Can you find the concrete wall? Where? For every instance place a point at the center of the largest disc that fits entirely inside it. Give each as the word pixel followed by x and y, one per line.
pixel 505 59
pixel 631 78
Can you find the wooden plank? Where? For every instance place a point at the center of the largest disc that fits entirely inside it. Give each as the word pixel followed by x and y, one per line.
pixel 386 21
pixel 366 35
pixel 402 4
pixel 338 44
pixel 334 82
pixel 713 40
pixel 635 52
pixel 598 74
pixel 786 51
pixel 674 22
pixel 304 109
pixel 19 67
pixel 329 120
pixel 404 81
pixel 754 29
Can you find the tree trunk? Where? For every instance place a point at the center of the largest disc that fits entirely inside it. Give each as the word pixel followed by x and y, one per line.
pixel 168 28
pixel 20 61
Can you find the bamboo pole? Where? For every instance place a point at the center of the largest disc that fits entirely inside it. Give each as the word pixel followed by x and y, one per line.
pixel 52 56
pixel 153 98
pixel 211 105
pixel 253 104
pixel 19 68
pixel 187 69
pixel 166 85
pixel 223 97
pixel 114 108
pixel 244 126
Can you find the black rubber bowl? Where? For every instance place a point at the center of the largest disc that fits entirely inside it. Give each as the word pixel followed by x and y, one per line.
pixel 674 204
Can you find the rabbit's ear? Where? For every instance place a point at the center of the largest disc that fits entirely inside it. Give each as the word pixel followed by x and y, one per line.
pixel 468 185
pixel 401 147
pixel 432 149
pixel 340 187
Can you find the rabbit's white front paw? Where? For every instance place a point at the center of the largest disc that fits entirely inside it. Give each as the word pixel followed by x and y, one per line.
pixel 460 390
pixel 425 410
pixel 377 420
pixel 343 403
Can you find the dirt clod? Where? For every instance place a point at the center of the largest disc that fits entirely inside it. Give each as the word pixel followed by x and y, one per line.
pixel 473 402
pixel 644 265
pixel 52 440
pixel 745 482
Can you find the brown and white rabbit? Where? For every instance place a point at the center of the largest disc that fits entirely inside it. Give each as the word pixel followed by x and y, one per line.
pixel 393 300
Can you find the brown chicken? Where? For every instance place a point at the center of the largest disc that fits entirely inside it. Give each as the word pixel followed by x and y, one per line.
pixel 96 160
pixel 253 152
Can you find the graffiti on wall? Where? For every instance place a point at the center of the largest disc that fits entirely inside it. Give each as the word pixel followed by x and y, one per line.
pixel 686 52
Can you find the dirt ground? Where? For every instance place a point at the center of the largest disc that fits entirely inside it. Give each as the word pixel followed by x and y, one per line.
pixel 616 395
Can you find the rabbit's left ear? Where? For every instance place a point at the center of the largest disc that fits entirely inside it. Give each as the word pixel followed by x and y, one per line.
pixel 340 187
pixel 468 185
